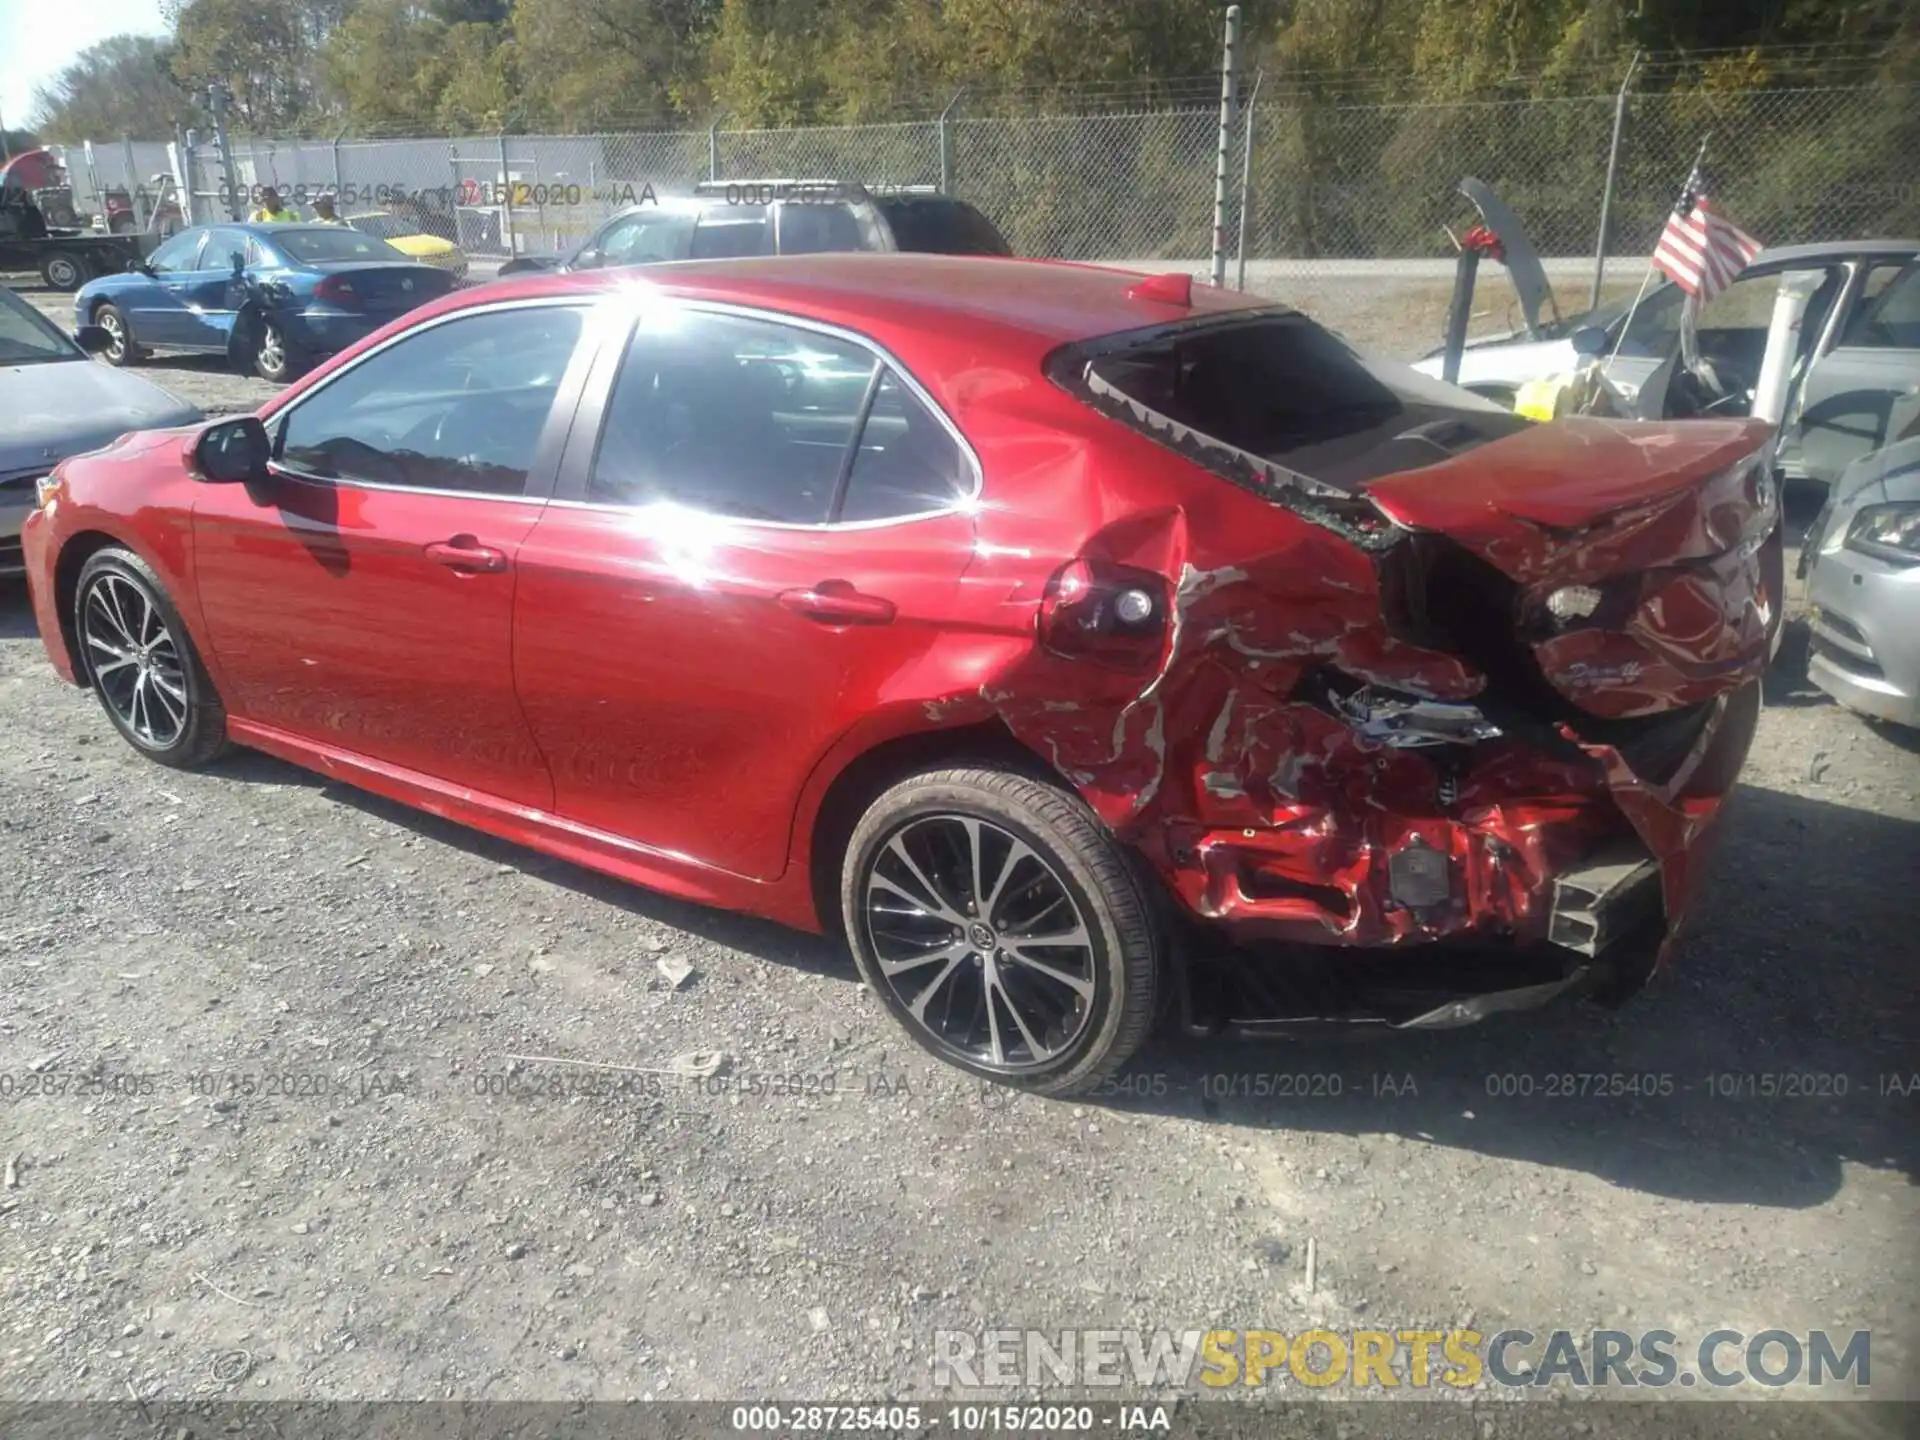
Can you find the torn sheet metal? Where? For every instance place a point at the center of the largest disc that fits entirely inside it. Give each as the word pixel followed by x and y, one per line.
pixel 1271 800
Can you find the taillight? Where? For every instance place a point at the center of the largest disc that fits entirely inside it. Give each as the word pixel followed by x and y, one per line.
pixel 1109 614
pixel 337 290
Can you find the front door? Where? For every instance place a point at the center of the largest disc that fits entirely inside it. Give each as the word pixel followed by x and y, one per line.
pixel 156 307
pixel 734 585
pixel 364 598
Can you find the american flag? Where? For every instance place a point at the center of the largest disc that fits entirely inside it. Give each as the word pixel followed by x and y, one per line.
pixel 1701 250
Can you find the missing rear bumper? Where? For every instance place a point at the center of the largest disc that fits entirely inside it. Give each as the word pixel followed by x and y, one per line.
pixel 1605 932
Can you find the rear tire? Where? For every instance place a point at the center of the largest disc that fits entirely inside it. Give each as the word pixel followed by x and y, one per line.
pixel 63 270
pixel 274 356
pixel 1002 926
pixel 141 662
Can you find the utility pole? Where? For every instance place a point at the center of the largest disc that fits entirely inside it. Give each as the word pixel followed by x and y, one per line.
pixel 217 102
pixel 1229 104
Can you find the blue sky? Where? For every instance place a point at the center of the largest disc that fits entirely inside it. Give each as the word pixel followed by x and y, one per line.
pixel 38 38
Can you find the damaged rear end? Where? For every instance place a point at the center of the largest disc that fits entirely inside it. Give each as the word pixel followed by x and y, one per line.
pixel 1456 692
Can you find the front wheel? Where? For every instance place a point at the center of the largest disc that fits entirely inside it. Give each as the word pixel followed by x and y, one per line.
pixel 141 662
pixel 120 347
pixel 999 922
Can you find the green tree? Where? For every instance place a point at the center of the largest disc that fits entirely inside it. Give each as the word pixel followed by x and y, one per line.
pixel 387 64
pixel 267 53
pixel 124 85
pixel 588 62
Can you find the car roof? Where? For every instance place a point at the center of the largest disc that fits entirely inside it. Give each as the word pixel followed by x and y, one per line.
pixel 1043 303
pixel 1836 250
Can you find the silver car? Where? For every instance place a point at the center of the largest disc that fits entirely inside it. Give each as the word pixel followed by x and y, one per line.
pixel 1863 587
pixel 55 402
pixel 1857 375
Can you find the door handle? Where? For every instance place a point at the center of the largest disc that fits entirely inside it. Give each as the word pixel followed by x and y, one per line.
pixel 467 555
pixel 835 602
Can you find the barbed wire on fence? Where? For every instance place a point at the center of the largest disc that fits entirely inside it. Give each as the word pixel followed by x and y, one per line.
pixel 1128 176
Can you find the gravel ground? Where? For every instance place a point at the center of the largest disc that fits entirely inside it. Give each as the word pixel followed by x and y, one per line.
pixel 414 1213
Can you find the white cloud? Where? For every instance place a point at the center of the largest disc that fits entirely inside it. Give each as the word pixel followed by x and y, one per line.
pixel 39 39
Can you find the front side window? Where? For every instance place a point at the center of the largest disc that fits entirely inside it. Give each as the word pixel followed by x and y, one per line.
pixel 645 238
pixel 26 337
pixel 457 406
pixel 179 253
pixel 222 246
pixel 731 416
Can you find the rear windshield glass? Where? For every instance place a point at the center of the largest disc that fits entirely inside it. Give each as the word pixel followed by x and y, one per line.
pixel 335 243
pixel 941 227
pixel 385 227
pixel 1279 387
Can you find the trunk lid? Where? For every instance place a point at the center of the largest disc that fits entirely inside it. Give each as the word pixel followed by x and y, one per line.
pixel 1640 563
pixel 385 288
pixel 1587 498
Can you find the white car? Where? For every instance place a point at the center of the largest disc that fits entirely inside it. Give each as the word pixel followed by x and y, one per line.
pixel 1854 377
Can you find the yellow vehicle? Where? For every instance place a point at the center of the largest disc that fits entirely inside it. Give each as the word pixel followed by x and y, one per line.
pixel 411 242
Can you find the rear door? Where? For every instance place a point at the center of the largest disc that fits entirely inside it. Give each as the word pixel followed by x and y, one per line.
pixel 363 600
pixel 723 585
pixel 1864 394
pixel 207 293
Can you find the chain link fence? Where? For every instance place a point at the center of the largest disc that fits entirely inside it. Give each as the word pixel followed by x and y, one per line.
pixel 1344 208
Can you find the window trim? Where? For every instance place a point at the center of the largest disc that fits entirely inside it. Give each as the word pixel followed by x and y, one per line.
pixel 548 450
pixel 583 446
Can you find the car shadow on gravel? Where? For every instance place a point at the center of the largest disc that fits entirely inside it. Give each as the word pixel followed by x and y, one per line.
pixel 1780 1045
pixel 16 611
pixel 761 938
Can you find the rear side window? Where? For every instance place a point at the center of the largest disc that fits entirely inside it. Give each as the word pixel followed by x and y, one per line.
pixel 814 229
pixel 733 232
pixel 1889 320
pixel 732 416
pixel 908 462
pixel 1280 388
pixel 942 227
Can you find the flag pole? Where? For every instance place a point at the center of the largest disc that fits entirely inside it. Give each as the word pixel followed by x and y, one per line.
pixel 1631 310
pixel 1698 160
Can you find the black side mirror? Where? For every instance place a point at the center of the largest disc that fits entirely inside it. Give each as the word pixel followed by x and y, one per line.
pixel 233 451
pixel 1589 340
pixel 94 339
pixel 591 258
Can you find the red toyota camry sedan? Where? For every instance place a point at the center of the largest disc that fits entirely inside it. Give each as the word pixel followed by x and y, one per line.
pixel 1071 639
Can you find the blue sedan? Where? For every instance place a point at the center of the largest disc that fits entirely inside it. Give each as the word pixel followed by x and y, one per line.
pixel 275 299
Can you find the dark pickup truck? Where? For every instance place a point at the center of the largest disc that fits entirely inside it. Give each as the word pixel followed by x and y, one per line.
pixel 66 259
